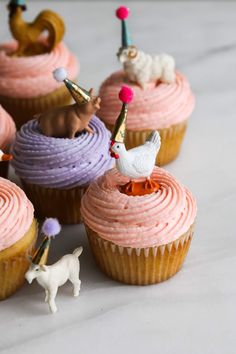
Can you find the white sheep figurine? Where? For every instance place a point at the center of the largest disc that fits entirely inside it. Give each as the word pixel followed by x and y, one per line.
pixel 140 67
pixel 143 68
pixel 53 276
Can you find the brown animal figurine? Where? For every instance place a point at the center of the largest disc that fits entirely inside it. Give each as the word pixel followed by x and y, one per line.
pixel 67 121
pixel 29 35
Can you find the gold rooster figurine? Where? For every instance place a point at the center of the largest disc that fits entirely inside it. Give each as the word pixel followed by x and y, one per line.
pixel 30 35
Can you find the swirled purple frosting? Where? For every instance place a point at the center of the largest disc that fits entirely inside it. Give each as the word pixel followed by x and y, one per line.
pixel 61 163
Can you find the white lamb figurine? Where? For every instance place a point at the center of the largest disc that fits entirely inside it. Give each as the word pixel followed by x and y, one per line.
pixel 143 68
pixel 53 276
pixel 57 274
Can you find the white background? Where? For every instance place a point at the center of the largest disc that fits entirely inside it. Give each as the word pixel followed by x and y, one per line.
pixel 195 311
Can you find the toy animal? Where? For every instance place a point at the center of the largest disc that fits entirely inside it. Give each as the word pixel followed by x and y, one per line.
pixel 67 121
pixel 51 277
pixel 136 163
pixel 142 68
pixel 29 35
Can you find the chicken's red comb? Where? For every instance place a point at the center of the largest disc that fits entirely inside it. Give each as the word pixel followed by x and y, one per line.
pixel 126 94
pixel 122 12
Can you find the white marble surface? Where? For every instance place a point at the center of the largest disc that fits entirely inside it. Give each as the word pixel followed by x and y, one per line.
pixel 195 311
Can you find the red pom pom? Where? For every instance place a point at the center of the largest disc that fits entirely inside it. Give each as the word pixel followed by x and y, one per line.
pixel 122 12
pixel 126 94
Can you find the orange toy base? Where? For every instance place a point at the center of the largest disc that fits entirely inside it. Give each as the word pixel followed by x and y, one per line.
pixel 140 188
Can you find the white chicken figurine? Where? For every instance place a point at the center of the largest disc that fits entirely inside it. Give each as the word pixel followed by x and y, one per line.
pixel 138 162
pixel 5 157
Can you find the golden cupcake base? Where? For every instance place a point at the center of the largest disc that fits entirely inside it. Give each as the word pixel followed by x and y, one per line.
pixel 23 109
pixel 139 266
pixel 14 262
pixel 171 141
pixel 63 204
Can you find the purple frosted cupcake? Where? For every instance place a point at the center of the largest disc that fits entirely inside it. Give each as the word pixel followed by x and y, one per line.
pixel 61 152
pixel 55 172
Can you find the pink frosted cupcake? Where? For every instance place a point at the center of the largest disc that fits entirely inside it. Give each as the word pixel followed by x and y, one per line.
pixel 139 239
pixel 7 136
pixel 27 86
pixel 163 98
pixel 18 233
pixel 139 218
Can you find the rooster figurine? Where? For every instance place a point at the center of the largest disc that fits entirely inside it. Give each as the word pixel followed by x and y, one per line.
pixel 29 35
pixel 138 162
pixel 5 157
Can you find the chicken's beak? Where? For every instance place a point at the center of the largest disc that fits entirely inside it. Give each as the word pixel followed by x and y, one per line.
pixel 112 153
pixel 6 157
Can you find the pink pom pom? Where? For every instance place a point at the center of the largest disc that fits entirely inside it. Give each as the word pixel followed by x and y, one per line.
pixel 122 12
pixel 126 94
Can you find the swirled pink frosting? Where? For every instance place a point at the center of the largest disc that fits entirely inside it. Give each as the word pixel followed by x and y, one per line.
pixel 16 213
pixel 138 221
pixel 7 130
pixel 155 107
pixel 28 77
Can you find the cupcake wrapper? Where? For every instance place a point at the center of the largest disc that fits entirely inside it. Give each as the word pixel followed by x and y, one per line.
pixel 63 204
pixel 14 262
pixel 4 169
pixel 171 140
pixel 139 266
pixel 23 110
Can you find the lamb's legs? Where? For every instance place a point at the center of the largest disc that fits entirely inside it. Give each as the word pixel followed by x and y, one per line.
pixel 51 302
pixel 76 285
pixel 168 76
pixel 143 79
pixel 140 82
pixel 47 295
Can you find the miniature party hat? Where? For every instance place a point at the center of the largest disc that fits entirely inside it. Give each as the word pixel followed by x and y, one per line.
pixel 79 94
pixel 125 95
pixel 122 13
pixel 50 228
pixel 17 2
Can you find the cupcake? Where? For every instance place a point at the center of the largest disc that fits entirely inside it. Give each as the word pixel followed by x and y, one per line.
pixel 7 136
pixel 18 231
pixel 59 154
pixel 26 85
pixel 139 219
pixel 163 98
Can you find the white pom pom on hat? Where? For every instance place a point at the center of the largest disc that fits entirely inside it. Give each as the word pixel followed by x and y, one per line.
pixel 79 94
pixel 60 74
